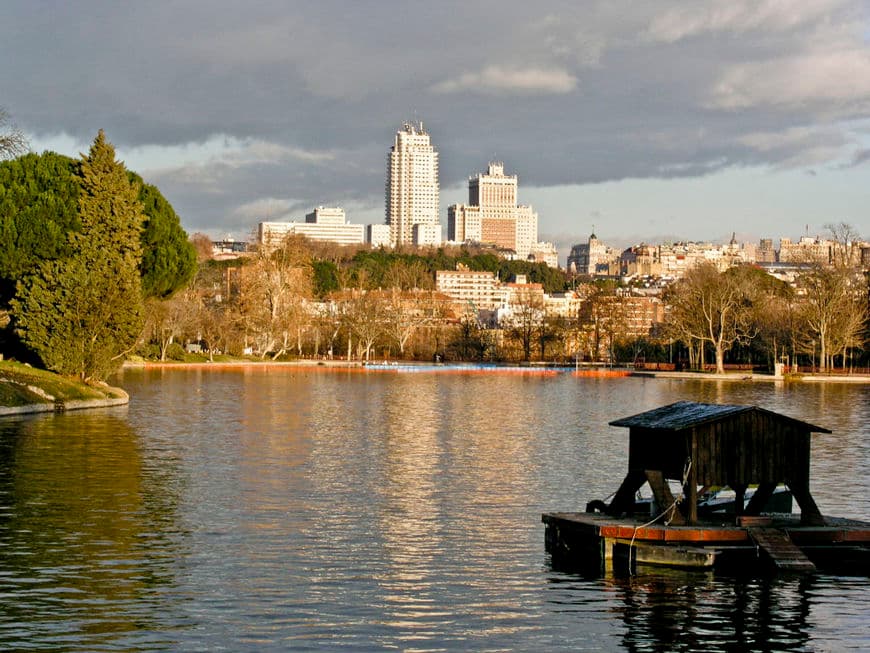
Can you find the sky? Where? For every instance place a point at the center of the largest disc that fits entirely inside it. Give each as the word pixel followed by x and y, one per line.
pixel 645 121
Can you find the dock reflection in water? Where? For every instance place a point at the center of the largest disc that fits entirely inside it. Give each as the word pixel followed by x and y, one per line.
pixel 256 510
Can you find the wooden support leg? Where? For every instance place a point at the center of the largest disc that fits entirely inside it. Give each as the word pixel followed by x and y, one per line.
pixel 810 513
pixel 760 498
pixel 663 495
pixel 623 502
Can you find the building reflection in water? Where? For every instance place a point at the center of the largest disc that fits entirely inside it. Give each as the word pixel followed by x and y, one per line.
pixel 456 459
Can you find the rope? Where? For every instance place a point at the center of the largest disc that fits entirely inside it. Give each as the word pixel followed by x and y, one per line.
pixel 670 509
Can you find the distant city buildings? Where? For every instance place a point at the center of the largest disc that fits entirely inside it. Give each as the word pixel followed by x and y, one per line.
pixel 412 200
pixel 544 253
pixel 475 290
pixel 593 258
pixel 673 260
pixel 378 235
pixel 494 219
pixel 492 215
pixel 323 223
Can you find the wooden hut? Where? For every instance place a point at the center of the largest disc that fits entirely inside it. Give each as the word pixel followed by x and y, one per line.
pixel 713 445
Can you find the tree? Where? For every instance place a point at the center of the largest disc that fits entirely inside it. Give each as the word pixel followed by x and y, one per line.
pixel 714 307
pixel 167 319
pixel 470 341
pixel 526 318
pixel 274 288
pixel 363 316
pixel 833 310
pixel 202 246
pixel 168 257
pixel 12 141
pixel 82 313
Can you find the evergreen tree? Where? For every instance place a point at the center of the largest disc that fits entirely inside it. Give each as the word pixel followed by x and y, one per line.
pixel 81 313
pixel 168 257
pixel 39 206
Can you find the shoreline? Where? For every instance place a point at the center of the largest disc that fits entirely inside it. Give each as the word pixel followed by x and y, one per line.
pixel 62 406
pixel 587 372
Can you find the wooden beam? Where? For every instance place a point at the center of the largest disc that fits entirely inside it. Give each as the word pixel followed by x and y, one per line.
pixel 623 502
pixel 760 498
pixel 663 496
pixel 810 513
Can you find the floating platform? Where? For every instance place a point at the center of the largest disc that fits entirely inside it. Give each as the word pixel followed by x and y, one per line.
pixel 776 542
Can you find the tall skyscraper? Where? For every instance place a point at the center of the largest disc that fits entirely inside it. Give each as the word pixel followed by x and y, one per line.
pixel 492 215
pixel 412 202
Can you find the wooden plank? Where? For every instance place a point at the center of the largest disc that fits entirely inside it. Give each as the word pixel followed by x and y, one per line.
pixel 780 549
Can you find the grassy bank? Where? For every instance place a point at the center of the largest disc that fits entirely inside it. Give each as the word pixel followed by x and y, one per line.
pixel 22 385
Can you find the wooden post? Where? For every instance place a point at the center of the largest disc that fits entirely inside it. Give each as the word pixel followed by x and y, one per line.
pixel 760 498
pixel 810 513
pixel 623 502
pixel 663 495
pixel 691 492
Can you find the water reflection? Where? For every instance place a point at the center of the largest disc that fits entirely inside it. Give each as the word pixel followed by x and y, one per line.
pixel 678 611
pixel 275 509
pixel 85 529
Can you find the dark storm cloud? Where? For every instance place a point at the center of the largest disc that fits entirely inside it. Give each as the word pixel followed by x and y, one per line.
pixel 563 92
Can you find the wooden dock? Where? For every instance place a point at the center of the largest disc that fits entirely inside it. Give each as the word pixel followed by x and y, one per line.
pixel 779 543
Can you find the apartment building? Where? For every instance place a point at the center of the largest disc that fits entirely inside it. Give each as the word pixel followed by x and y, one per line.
pixel 492 215
pixel 412 194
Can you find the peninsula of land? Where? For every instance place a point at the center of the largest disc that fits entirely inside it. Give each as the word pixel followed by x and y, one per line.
pixel 25 389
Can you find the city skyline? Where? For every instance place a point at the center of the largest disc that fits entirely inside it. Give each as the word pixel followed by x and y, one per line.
pixel 652 122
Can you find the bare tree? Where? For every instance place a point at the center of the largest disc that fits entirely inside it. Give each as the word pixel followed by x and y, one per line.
pixel 274 289
pixel 202 244
pixel 12 141
pixel 833 310
pixel 711 306
pixel 167 319
pixel 525 319
pixel 364 317
pixel 847 246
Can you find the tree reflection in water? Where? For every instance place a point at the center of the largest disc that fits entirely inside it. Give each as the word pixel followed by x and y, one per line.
pixel 86 531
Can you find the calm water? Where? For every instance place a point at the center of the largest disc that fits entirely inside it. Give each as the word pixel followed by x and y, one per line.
pixel 288 509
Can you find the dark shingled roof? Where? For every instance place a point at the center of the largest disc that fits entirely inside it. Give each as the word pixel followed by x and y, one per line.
pixel 686 414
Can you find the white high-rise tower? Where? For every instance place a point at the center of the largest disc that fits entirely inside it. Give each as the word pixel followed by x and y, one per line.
pixel 412 205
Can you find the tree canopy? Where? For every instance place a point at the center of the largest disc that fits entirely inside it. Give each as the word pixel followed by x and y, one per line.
pixel 38 209
pixel 168 257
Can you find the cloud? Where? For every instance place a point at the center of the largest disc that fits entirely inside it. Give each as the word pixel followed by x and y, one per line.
pixel 231 109
pixel 859 158
pixel 501 80
pixel 273 209
pixel 221 149
pixel 836 82
pixel 799 146
pixel 737 17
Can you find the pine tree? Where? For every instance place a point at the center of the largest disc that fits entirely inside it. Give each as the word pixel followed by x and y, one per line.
pixel 82 313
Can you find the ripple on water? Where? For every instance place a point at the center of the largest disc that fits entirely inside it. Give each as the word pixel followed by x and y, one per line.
pixel 245 510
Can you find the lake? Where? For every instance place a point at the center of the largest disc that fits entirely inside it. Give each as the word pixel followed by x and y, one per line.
pixel 281 508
